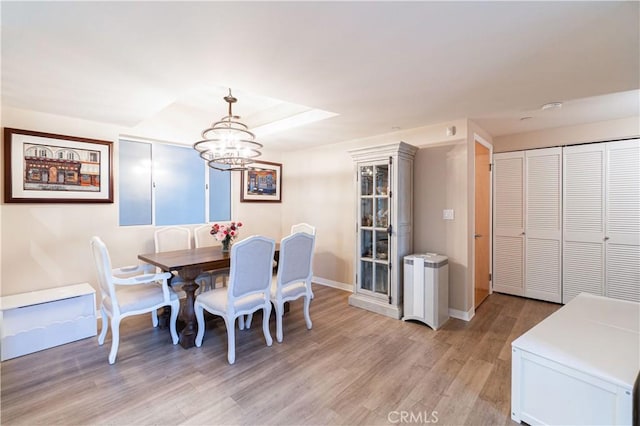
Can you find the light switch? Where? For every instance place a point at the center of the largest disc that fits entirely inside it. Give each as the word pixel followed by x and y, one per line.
pixel 447 214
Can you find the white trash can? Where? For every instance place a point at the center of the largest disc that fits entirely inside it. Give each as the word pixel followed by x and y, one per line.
pixel 426 289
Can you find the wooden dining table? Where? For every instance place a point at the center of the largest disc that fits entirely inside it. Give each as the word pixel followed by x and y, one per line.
pixel 189 264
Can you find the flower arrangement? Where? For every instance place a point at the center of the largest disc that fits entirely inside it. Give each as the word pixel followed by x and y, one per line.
pixel 225 233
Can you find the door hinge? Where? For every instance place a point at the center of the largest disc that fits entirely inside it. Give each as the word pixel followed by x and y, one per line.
pixel 490 167
pixel 490 276
pixel 390 266
pixel 390 160
pixel 390 194
pixel 390 300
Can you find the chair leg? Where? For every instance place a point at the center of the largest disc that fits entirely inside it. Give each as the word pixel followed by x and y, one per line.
pixel 279 315
pixel 105 326
pixel 307 317
pixel 201 324
pixel 231 338
pixel 241 322
pixel 175 309
pixel 265 323
pixel 115 339
pixel 247 323
pixel 154 318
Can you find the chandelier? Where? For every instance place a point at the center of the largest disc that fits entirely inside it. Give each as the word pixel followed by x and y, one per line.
pixel 228 144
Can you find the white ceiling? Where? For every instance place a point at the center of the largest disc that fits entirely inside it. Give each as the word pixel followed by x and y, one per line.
pixel 378 65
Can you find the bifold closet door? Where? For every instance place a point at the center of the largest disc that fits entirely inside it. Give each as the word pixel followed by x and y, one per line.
pixel 602 220
pixel 543 224
pixel 622 225
pixel 583 225
pixel 508 223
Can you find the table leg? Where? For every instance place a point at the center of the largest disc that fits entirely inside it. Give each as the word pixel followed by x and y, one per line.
pixel 188 314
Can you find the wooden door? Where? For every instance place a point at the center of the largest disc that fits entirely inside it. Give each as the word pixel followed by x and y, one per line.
pixel 482 222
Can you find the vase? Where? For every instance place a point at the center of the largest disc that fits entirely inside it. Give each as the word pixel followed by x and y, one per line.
pixel 226 245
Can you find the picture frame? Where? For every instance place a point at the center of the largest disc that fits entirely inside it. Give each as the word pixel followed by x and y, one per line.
pixel 262 182
pixel 49 168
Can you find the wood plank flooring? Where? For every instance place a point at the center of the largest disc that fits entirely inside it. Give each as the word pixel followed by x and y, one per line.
pixel 353 367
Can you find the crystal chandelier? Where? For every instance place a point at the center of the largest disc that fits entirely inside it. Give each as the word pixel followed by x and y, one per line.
pixel 228 144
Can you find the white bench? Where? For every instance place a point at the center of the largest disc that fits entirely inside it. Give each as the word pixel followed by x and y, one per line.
pixel 579 365
pixel 37 320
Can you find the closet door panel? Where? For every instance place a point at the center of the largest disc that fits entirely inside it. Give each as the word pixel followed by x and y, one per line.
pixel 508 274
pixel 543 219
pixel 622 271
pixel 623 188
pixel 542 272
pixel 583 269
pixel 508 178
pixel 583 223
pixel 508 225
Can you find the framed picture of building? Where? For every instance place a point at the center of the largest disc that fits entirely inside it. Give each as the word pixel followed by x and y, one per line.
pixel 48 168
pixel 262 182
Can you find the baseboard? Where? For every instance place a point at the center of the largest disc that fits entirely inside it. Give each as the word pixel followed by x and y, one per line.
pixel 334 284
pixel 465 316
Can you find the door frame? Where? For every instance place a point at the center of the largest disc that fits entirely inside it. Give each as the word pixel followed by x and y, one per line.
pixel 479 139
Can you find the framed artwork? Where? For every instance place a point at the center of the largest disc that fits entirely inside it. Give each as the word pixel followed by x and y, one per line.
pixel 49 168
pixel 262 182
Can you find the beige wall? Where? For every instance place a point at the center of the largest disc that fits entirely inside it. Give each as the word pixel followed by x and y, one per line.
pixel 440 182
pixel 47 245
pixel 591 132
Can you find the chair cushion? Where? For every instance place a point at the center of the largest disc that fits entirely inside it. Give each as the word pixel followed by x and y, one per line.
pixel 293 290
pixel 216 301
pixel 139 297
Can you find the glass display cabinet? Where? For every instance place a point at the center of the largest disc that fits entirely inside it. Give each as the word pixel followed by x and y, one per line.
pixel 384 186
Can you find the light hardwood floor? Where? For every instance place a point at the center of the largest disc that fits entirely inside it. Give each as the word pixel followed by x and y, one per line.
pixel 353 367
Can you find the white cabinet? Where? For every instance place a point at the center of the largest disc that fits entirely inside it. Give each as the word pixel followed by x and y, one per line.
pixel 384 225
pixel 578 366
pixel 602 220
pixel 527 247
pixel 37 320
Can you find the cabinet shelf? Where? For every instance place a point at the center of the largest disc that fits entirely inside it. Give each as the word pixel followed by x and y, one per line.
pixel 372 260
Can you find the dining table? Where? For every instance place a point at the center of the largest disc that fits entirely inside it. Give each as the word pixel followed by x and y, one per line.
pixel 188 264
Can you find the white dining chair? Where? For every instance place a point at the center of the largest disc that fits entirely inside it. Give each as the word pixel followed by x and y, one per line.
pixel 247 291
pixel 130 291
pixel 172 238
pixel 309 229
pixel 293 279
pixel 303 227
pixel 202 238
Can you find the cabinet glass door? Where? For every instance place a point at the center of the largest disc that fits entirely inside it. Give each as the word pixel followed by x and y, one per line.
pixel 374 229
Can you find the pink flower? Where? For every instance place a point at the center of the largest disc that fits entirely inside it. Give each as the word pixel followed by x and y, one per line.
pixel 225 231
